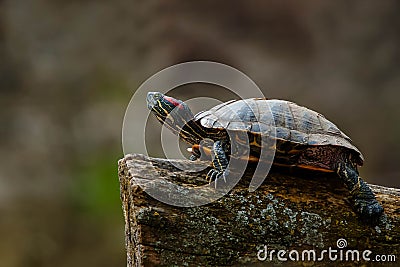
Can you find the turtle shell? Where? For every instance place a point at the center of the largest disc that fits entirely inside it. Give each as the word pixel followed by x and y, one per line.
pixel 281 119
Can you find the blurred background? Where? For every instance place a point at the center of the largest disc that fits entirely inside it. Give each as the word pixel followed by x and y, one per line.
pixel 69 68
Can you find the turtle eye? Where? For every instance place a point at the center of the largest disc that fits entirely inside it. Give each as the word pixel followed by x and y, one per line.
pixel 157 96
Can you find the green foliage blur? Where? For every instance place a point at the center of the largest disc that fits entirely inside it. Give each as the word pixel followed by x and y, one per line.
pixel 95 192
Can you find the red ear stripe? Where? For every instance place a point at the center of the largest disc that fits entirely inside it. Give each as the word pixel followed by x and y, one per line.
pixel 173 101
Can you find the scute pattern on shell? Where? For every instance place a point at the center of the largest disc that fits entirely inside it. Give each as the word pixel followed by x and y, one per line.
pixel 277 118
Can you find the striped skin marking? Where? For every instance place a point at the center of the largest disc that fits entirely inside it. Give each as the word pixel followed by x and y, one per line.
pixel 188 135
pixel 345 173
pixel 218 151
pixel 218 165
pixel 161 106
pixel 193 132
pixel 357 186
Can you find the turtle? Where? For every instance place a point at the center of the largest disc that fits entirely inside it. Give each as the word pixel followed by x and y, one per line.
pixel 304 139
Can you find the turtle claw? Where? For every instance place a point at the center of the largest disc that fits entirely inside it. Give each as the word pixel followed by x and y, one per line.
pixel 368 208
pixel 215 175
pixel 212 175
pixel 193 158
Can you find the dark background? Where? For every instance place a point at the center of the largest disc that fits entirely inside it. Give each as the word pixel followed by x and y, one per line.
pixel 69 68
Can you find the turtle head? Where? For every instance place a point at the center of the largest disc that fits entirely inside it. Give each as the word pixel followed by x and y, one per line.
pixel 168 110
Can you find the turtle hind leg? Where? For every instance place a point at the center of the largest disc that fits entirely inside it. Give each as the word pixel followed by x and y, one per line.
pixel 365 202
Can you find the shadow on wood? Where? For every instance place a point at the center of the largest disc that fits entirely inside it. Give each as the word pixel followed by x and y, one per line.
pixel 306 212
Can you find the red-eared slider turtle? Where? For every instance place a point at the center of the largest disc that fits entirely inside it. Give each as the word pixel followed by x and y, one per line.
pixel 304 138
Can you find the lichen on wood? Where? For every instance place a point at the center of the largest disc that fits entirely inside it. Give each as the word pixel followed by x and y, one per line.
pixel 289 211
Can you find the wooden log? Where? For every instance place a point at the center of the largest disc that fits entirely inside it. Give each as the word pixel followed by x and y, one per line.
pixel 291 212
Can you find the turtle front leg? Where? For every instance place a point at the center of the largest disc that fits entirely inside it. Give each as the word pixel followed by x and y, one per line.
pixel 201 151
pixel 365 202
pixel 219 163
pixel 196 154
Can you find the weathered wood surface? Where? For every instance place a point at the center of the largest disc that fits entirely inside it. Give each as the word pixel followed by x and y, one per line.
pixel 290 211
